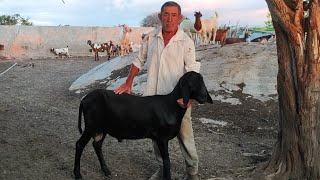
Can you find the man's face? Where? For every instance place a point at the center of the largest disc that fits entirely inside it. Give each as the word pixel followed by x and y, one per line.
pixel 170 18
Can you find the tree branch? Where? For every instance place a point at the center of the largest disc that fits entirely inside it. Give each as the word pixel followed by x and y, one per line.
pixel 283 14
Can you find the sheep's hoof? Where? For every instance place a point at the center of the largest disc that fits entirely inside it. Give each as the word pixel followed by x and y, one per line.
pixel 107 173
pixel 77 176
pixel 108 177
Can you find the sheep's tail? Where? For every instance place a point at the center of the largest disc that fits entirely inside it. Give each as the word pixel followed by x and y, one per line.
pixel 79 119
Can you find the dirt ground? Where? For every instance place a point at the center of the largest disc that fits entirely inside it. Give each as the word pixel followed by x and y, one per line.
pixel 38 130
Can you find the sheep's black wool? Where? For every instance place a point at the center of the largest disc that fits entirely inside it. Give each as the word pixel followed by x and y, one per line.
pixel 125 116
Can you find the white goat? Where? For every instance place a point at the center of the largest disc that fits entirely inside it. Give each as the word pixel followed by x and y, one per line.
pixel 61 51
pixel 209 28
pixel 188 28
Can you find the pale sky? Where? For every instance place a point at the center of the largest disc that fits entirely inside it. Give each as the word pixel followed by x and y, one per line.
pixel 109 13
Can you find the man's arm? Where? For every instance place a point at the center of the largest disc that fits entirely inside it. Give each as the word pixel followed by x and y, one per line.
pixel 190 63
pixel 135 67
pixel 127 86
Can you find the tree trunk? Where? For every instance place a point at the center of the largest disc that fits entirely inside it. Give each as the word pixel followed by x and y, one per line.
pixel 296 152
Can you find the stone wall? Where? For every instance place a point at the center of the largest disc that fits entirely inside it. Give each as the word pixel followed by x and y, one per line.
pixel 34 42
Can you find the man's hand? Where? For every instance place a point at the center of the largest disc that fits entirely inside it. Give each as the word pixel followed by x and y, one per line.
pixel 123 88
pixel 180 102
pixel 127 86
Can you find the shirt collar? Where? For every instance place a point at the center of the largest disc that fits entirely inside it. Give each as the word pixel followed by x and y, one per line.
pixel 178 36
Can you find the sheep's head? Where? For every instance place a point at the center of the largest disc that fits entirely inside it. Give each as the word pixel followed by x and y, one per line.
pixel 192 86
pixel 89 42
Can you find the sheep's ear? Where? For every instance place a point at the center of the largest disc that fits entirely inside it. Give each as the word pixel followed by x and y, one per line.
pixel 185 92
pixel 209 100
pixel 185 96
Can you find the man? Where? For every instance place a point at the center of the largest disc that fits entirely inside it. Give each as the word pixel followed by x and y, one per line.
pixel 169 53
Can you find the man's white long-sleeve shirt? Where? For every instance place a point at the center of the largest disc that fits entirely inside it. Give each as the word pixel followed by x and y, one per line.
pixel 166 64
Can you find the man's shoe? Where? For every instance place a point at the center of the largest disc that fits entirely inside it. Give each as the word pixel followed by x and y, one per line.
pixel 157 175
pixel 191 177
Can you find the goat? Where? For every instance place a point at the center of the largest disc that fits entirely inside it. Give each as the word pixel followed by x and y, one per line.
pixel 238 40
pixel 221 36
pixel 61 51
pixel 263 39
pixel 125 47
pixel 188 27
pixel 197 24
pixel 112 49
pixel 96 48
pixel 116 50
pixel 130 47
pixel 143 35
pixel 209 28
pixel 118 115
pixel 192 28
pixel 1 47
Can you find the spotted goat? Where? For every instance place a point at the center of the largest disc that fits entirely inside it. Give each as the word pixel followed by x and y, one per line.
pixel 97 47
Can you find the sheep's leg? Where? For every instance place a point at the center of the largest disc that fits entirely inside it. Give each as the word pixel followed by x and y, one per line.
pixel 163 148
pixel 203 37
pixel 197 39
pixel 214 34
pixel 208 37
pixel 81 143
pixel 108 54
pixel 97 143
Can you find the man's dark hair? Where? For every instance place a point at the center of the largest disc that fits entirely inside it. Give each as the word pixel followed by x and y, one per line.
pixel 170 3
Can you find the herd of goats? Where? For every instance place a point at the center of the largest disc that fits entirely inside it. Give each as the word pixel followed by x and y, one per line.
pixel 124 48
pixel 201 31
pixel 206 31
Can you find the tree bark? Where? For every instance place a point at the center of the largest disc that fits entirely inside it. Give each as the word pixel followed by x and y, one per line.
pixel 296 152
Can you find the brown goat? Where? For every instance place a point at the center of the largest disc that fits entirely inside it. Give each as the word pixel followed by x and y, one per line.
pixel 125 44
pixel 197 24
pixel 117 50
pixel 113 49
pixel 263 39
pixel 96 48
pixel 237 40
pixel 221 35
